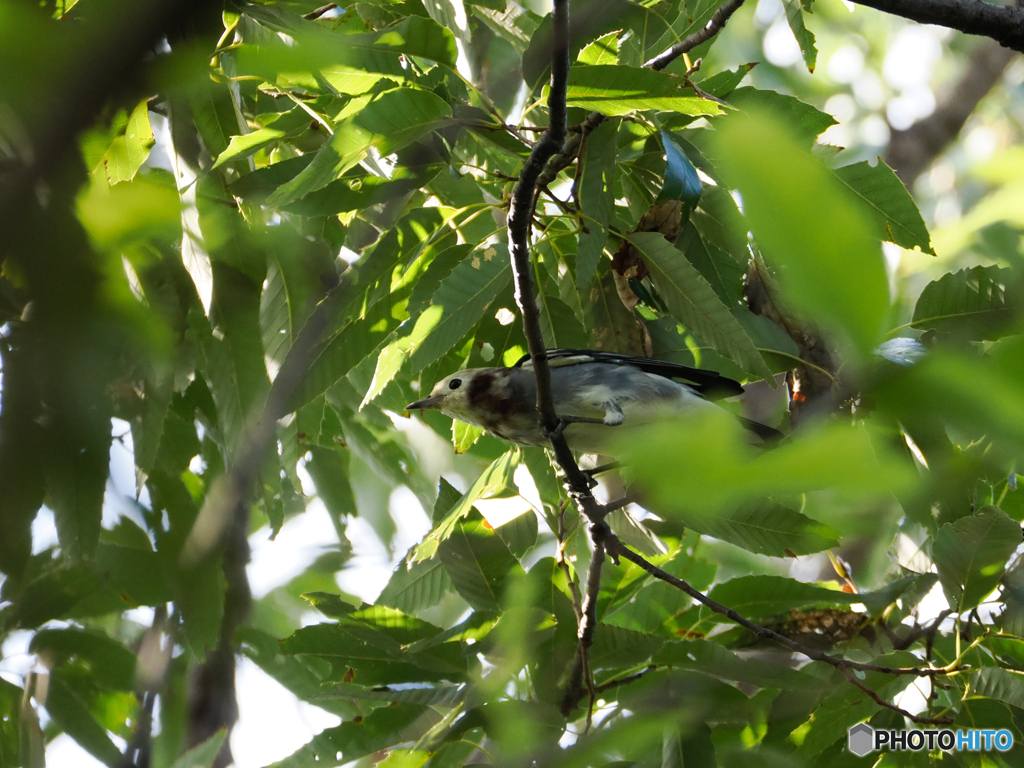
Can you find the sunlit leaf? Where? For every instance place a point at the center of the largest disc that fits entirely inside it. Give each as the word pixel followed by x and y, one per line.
pixel 795 17
pixel 387 123
pixel 618 90
pixel 495 482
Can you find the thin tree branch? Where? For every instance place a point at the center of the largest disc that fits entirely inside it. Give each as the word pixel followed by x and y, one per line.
pixel 711 29
pixel 615 549
pixel 564 158
pixel 318 12
pixel 627 679
pixel 911 151
pixel 875 697
pixel 520 219
pixel 551 151
pixel 1004 24
pixel 588 624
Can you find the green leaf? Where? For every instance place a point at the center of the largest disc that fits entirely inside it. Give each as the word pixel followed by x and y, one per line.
pixel 1000 684
pixel 694 303
pixel 719 268
pixel 559 325
pixel 416 586
pixel 681 179
pixel 233 360
pixel 413 36
pixel 304 680
pixel 721 84
pixel 617 647
pixel 75 719
pixel 805 121
pixel 285 303
pixel 388 123
pixel 519 533
pixel 311 57
pixel 704 463
pixel 130 148
pixel 712 659
pixel 284 126
pixel 346 349
pixel 202 755
pixel 459 303
pixel 888 203
pixel 439 270
pixel 812 231
pixel 76 483
pixel 760 596
pixel 111 665
pixel 688 746
pixel 213 110
pixel 14 731
pixel 495 482
pixel 610 326
pixel 795 17
pixel 200 599
pixel 971 553
pixel 390 460
pixel 464 436
pixel 478 562
pixel 360 737
pixel 763 527
pixel 328 469
pixel 604 50
pixel 849 705
pixel 617 90
pixel 976 303
pixel 370 657
pixel 597 199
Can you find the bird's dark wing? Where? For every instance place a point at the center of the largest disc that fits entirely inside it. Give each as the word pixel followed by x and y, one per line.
pixel 710 384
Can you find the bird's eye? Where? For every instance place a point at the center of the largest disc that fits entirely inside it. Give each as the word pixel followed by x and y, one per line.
pixel 454 383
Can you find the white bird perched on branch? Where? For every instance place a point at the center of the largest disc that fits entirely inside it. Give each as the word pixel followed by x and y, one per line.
pixel 592 391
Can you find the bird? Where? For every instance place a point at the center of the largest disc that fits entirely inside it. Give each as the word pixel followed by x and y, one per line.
pixel 593 392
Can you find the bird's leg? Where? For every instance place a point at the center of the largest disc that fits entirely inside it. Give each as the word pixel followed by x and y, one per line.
pixel 602 469
pixel 613 417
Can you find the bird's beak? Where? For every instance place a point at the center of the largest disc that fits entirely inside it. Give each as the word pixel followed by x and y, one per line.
pixel 428 402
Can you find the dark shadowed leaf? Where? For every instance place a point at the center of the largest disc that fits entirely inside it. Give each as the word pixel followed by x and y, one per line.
pixel 971 553
pixel 694 303
pixel 976 303
pixel 596 197
pixel 889 204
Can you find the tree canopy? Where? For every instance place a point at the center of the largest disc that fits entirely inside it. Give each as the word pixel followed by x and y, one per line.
pixel 238 239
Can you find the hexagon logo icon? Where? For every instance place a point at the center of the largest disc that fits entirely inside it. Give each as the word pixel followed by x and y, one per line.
pixel 860 739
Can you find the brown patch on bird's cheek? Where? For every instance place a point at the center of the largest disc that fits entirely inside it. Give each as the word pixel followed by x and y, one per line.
pixel 488 396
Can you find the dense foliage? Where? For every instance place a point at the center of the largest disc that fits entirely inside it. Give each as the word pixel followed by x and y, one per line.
pixel 298 226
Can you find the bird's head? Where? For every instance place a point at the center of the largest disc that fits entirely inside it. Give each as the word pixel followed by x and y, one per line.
pixel 453 395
